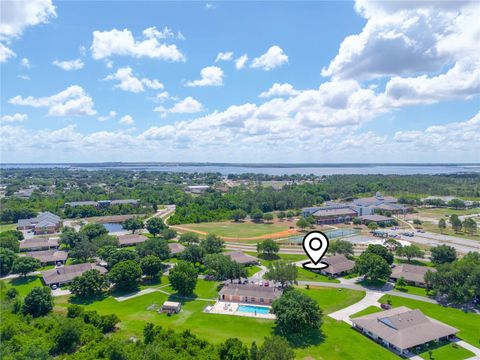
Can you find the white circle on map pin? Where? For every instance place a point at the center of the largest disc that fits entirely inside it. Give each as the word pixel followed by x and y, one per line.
pixel 315 244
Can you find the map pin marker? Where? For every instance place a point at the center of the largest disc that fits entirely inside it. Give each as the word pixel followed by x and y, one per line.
pixel 315 244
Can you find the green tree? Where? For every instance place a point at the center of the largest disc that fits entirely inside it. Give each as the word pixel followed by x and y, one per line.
pixel 268 249
pixel 212 244
pixel 302 223
pixel 189 238
pixel 157 247
pixel 380 250
pixel 8 241
pixel 401 282
pixel 24 265
pixel 282 271
pixel 343 247
pixel 72 238
pixel 268 217
pixel 151 265
pixel 296 312
pixel 155 226
pixel 168 233
pixel 442 225
pixel 83 251
pixel 256 215
pixel 410 251
pixel 290 214
pixel 391 244
pixel 254 352
pixel 238 214
pixel 456 204
pixel 281 215
pixel 90 283
pixel 372 225
pixel 133 224
pixel 218 266
pixel 38 301
pixel 470 226
pixel 233 349
pixel 456 223
pixel 275 348
pixel 357 221
pixel 7 258
pixel 193 254
pixel 92 231
pixel 372 266
pixel 67 337
pixel 126 275
pixel 442 254
pixel 183 278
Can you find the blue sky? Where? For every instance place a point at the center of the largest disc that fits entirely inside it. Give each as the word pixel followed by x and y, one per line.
pixel 338 81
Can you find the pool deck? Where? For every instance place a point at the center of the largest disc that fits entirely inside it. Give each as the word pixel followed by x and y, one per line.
pixel 230 308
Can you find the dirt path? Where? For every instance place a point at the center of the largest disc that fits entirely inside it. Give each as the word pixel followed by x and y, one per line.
pixel 280 234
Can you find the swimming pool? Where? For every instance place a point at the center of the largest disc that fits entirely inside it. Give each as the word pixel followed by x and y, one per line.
pixel 253 309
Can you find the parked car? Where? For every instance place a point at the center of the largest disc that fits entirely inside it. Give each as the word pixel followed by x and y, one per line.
pixel 260 283
pixel 385 306
pixel 266 283
pixel 54 287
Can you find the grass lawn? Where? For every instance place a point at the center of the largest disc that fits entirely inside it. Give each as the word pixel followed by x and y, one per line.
pixel 441 212
pixel 24 285
pixel 332 299
pixel 6 227
pixel 467 323
pixel 447 352
pixel 307 275
pixel 239 230
pixel 415 290
pixel 287 257
pixel 252 270
pixel 431 227
pixel 366 311
pixel 341 342
pixel 413 262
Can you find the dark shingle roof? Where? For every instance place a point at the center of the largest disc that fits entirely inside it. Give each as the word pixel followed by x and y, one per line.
pixel 241 257
pixel 338 264
pixel 68 273
pixel 409 272
pixel 251 291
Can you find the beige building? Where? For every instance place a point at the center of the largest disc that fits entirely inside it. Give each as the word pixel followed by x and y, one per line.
pixel 413 274
pixel 261 295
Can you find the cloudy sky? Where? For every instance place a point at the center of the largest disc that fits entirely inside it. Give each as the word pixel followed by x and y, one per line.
pixel 342 81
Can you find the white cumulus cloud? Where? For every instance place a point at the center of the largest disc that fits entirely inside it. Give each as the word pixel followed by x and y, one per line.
pixel 17 117
pixel 112 114
pixel 126 120
pixel 224 56
pixel 241 61
pixel 69 65
pixel 72 101
pixel 129 82
pixel 189 105
pixel 274 57
pixel 210 76
pixel 279 90
pixel 121 42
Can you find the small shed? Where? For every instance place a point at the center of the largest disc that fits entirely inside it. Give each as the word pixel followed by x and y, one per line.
pixel 171 307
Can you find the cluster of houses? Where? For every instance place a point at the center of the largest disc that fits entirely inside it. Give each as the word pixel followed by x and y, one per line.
pixel 103 203
pixel 366 209
pixel 44 223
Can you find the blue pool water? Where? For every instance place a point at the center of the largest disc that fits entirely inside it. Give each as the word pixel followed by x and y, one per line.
pixel 253 309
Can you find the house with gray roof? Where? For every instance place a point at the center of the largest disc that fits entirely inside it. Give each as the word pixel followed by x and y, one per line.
pixel 56 257
pixel 366 219
pixel 334 215
pixel 241 258
pixel 131 239
pixel 65 274
pixel 401 329
pixel 413 274
pixel 175 248
pixel 263 295
pixel 337 265
pixel 44 223
pixel 36 244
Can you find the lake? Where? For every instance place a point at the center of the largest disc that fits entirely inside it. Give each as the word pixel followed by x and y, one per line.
pixel 113 227
pixel 270 169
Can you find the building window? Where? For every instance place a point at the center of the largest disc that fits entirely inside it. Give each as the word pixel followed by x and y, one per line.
pixel 261 300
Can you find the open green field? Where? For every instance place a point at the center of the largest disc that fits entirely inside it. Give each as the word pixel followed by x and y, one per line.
pixel 238 230
pixel 448 352
pixel 415 290
pixel 6 227
pixel 443 212
pixel 24 284
pixel 431 227
pixel 467 323
pixel 332 299
pixel 307 275
pixel 287 257
pixel 367 311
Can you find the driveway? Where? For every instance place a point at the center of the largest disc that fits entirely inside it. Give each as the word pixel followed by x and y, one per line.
pixel 370 299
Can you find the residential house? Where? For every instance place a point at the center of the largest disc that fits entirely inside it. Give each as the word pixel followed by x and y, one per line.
pixel 413 274
pixel 337 265
pixel 247 293
pixel 131 239
pixel 36 244
pixel 44 223
pixel 56 257
pixel 197 189
pixel 175 248
pixel 402 329
pixel 65 274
